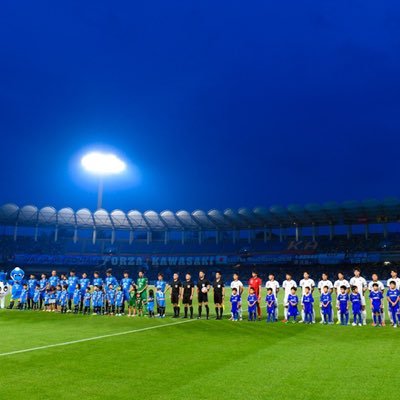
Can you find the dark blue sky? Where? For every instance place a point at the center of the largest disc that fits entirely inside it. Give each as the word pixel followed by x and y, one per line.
pixel 218 104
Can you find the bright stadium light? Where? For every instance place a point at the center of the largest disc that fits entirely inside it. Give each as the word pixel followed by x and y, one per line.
pixel 102 164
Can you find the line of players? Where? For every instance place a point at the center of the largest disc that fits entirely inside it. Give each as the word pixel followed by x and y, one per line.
pixel 348 292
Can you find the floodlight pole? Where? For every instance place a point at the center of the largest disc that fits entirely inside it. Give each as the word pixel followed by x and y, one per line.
pixel 100 193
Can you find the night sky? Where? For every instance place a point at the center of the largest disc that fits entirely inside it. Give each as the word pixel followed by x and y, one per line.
pixel 214 104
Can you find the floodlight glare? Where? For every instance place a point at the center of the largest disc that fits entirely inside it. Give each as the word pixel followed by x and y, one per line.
pixel 103 164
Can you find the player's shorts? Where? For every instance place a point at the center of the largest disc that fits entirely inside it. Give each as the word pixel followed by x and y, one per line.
pixel 52 301
pixel 174 298
pixel 70 296
pixel 187 300
pixel 376 310
pixel 132 302
pixel 343 311
pixel 203 297
pixel 143 296
pixel 292 312
pixel 395 309
pixel 251 310
pixel 218 299
pixel 327 310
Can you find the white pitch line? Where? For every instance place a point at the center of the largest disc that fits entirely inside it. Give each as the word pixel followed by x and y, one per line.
pixel 10 353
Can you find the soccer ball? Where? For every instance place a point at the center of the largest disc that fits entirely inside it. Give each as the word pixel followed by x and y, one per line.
pixel 204 290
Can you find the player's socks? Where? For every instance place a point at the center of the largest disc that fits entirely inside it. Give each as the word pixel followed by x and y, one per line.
pixel 220 312
pixel 207 311
pixel 11 305
pixel 303 316
pixel 286 313
pixel 374 318
pixel 217 312
pixel 200 311
pixel 380 319
pixel 364 317
pixel 178 311
pixel 185 311
pixel 191 311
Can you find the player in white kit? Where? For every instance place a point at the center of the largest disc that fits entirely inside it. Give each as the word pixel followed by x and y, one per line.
pixel 238 285
pixel 393 278
pixel 287 285
pixel 336 286
pixel 361 283
pixel 321 284
pixel 274 285
pixel 307 282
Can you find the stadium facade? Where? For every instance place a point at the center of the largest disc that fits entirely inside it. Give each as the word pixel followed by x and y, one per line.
pixel 330 234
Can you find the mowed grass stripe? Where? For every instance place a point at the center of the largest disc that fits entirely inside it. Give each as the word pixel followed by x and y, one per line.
pixel 93 338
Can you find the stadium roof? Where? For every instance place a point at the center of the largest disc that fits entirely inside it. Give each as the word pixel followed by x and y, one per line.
pixel 331 213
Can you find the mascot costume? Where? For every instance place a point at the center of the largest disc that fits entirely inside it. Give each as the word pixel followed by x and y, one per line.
pixel 16 281
pixel 3 288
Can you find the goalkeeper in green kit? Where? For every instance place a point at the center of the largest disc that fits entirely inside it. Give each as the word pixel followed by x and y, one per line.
pixel 141 285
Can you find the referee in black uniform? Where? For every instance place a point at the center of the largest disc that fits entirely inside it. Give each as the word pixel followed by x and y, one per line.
pixel 219 294
pixel 175 286
pixel 203 286
pixel 187 295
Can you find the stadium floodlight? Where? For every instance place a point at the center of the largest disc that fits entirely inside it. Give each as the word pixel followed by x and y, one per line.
pixel 102 164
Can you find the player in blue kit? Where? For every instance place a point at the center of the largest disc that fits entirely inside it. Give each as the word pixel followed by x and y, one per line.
pixel 160 298
pixel 58 294
pixel 292 303
pixel 72 282
pixel 97 281
pixel 376 297
pixel 95 296
pixel 63 280
pixel 36 298
pixel 355 299
pixel 43 285
pixel 63 299
pixel 54 280
pixel 110 299
pixel 326 305
pixel 77 298
pixel 126 284
pixel 252 301
pixel 85 283
pixel 110 280
pixel 86 301
pixel 307 302
pixel 31 290
pixel 393 299
pixel 23 298
pixel 101 300
pixel 150 303
pixel 343 305
pixel 271 305
pixel 235 301
pixel 119 301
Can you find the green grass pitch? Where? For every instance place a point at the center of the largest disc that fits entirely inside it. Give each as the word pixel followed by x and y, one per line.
pixel 193 360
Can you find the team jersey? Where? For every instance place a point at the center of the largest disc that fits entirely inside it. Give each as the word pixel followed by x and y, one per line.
pixel 100 299
pixel 395 280
pixel 339 283
pixel 160 297
pixel 63 282
pixel 187 288
pixel 376 299
pixel 24 296
pixel 252 298
pixel 293 300
pixel 54 280
pixel 255 283
pixel 32 286
pixel 141 284
pixel 36 296
pixel 72 282
pixel 307 283
pixel 16 289
pixel 307 300
pixel 271 301
pixel 175 287
pixel 162 285
pixel 58 294
pixel 97 282
pixel 287 286
pixel 119 298
pixel 218 287
pixel 85 283
pixel 235 300
pixel 94 298
pixel 393 295
pixel 86 299
pixel 238 285
pixel 380 286
pixel 342 301
pixel 43 284
pixel 326 298
pixel 355 299
pixel 111 280
pixel 274 285
pixel 63 297
pixel 111 296
pixel 126 284
pixel 77 296
pixel 150 304
pixel 323 283
pixel 359 282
